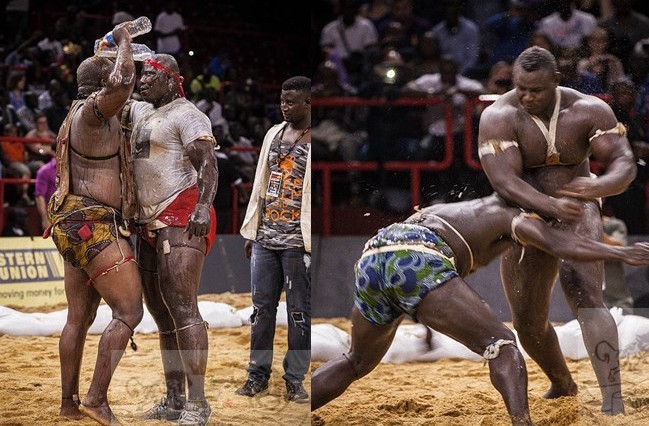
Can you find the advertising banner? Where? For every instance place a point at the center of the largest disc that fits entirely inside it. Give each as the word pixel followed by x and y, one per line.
pixel 31 272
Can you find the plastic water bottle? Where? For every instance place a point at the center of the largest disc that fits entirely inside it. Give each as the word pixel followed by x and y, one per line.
pixel 139 26
pixel 140 51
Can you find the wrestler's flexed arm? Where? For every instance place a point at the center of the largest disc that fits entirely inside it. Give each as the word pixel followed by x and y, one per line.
pixel 118 87
pixel 502 162
pixel 566 244
pixel 609 146
pixel 201 154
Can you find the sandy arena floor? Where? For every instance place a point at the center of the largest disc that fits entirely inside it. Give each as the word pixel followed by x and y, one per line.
pixel 30 389
pixel 458 393
pixel 442 393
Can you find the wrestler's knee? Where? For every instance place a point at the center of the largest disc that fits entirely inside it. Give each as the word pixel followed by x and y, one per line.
pixel 158 311
pixel 81 317
pixel 131 316
pixel 362 366
pixel 185 314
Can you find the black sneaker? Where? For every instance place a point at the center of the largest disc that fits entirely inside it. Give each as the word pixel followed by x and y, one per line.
pixel 295 393
pixel 162 411
pixel 196 413
pixel 252 388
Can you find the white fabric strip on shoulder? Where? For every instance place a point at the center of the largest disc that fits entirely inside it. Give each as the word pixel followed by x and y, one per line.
pixel 494 147
pixel 619 129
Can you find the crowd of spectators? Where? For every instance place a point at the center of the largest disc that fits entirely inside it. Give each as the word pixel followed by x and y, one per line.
pixel 233 57
pixel 453 51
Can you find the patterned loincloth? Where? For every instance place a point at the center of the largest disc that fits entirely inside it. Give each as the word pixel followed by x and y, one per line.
pixel 398 267
pixel 83 227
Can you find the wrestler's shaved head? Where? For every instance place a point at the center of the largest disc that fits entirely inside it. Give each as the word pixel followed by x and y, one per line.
pixel 167 60
pixel 536 58
pixel 91 74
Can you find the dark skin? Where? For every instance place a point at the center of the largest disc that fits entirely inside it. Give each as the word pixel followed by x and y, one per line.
pixel 296 109
pixel 459 312
pixel 563 191
pixel 171 281
pixel 121 287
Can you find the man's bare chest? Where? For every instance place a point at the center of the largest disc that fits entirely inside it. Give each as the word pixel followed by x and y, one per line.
pixel 541 144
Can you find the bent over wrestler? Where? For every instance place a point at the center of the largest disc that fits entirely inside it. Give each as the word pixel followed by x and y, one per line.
pixel 416 268
pixel 93 193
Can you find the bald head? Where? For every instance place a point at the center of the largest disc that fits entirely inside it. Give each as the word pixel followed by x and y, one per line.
pixel 167 60
pixel 91 75
pixel 161 81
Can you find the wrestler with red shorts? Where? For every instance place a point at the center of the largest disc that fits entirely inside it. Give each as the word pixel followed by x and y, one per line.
pixel 176 174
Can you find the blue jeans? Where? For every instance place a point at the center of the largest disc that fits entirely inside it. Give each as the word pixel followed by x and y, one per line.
pixel 272 271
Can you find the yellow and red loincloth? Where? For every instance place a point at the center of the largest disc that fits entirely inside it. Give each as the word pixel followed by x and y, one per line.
pixel 82 227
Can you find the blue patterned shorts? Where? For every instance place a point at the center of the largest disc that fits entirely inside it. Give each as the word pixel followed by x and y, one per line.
pixel 392 277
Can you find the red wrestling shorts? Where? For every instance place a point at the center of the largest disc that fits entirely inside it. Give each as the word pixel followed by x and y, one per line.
pixel 177 215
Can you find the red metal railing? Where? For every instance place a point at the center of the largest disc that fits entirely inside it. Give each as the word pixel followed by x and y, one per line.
pixel 414 167
pixel 16 181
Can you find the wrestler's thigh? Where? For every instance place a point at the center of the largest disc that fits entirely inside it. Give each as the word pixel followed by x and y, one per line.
pixel 528 282
pixel 120 287
pixel 180 265
pixel 148 266
pixel 590 224
pixel 456 310
pixel 145 254
pixel 371 341
pixel 82 299
pixel 582 281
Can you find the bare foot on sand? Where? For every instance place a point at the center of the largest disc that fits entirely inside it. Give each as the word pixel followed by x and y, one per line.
pixel 557 391
pixel 70 409
pixel 101 414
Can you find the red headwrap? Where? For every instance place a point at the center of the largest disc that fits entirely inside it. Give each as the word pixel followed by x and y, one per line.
pixel 175 75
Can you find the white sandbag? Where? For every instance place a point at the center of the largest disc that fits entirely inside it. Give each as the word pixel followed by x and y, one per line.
pixel 147 325
pixel 571 340
pixel 409 343
pixel 14 323
pixel 219 315
pixel 328 342
pixel 103 318
pixel 633 333
pixel 446 347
